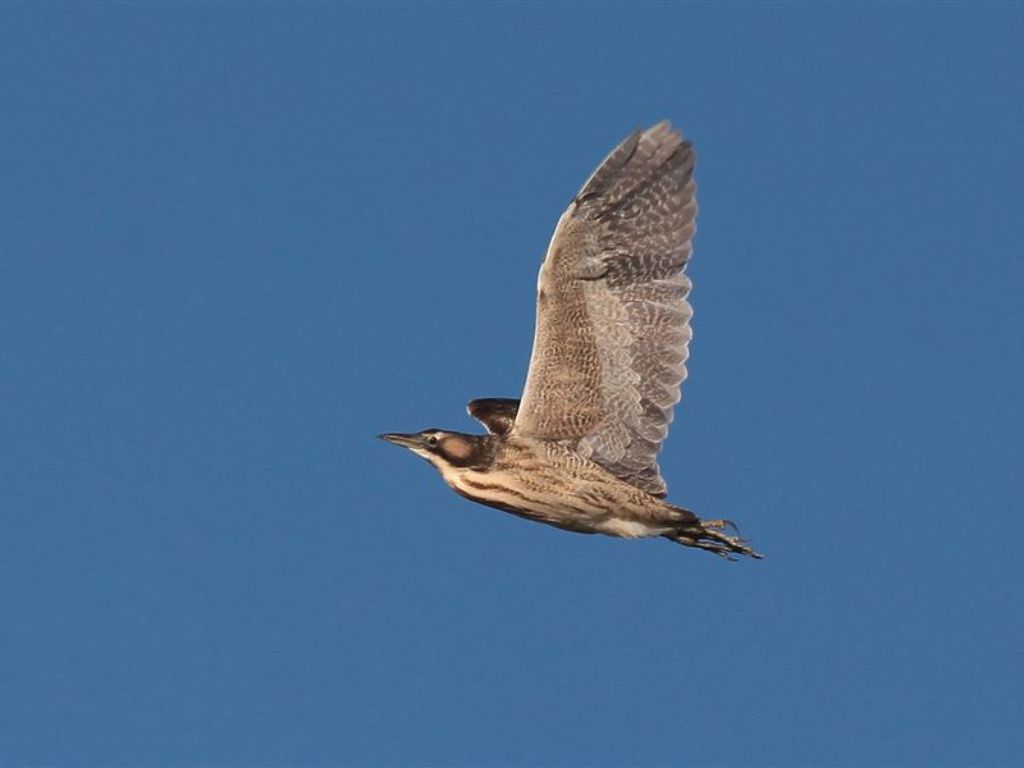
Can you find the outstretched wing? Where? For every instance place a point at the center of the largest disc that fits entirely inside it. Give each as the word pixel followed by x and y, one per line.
pixel 498 414
pixel 612 332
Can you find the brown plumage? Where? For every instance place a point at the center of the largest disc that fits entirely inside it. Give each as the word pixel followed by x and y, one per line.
pixel 613 327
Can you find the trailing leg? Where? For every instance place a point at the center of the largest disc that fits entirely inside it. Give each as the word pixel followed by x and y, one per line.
pixel 710 535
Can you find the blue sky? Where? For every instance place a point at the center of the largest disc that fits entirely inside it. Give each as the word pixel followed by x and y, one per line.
pixel 237 241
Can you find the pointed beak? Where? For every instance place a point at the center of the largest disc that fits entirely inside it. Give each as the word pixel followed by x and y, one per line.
pixel 406 441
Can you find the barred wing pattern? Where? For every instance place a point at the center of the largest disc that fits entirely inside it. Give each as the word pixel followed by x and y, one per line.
pixel 613 331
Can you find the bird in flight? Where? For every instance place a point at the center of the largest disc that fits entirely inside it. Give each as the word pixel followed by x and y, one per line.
pixel 579 451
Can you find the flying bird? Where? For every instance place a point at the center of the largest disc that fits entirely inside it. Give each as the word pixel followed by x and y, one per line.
pixel 579 451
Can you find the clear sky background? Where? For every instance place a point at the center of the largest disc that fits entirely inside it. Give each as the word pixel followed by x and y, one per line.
pixel 239 240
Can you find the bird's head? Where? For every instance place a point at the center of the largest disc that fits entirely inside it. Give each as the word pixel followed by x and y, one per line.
pixel 441 448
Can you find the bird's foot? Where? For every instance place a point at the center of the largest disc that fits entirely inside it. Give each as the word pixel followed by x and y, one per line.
pixel 711 536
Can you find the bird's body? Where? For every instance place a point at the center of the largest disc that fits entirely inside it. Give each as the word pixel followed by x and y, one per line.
pixel 579 452
pixel 547 482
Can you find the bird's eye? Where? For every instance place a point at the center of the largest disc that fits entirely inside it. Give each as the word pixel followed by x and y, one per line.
pixel 432 440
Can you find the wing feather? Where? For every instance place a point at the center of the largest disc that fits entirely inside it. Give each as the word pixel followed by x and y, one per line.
pixel 613 323
pixel 498 414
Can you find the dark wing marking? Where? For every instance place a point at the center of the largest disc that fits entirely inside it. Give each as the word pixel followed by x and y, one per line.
pixel 498 414
pixel 613 326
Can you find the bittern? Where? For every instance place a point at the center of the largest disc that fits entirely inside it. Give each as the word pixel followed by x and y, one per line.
pixel 580 450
